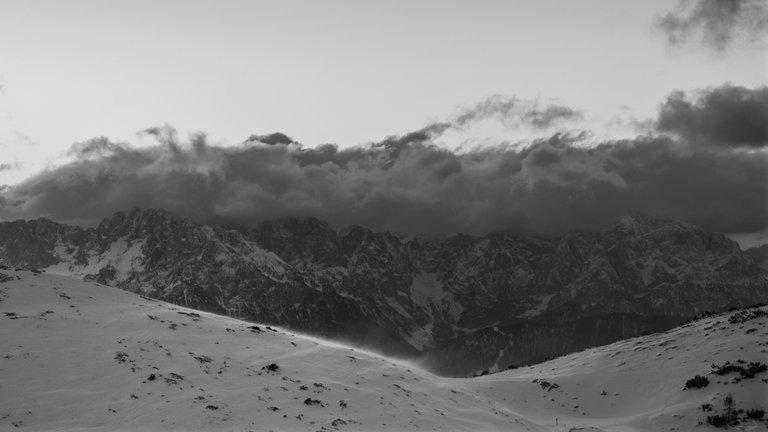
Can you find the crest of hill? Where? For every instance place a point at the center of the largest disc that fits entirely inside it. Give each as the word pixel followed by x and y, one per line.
pixel 79 356
pixel 640 384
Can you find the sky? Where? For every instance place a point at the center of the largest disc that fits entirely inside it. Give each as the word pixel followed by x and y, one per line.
pixel 351 73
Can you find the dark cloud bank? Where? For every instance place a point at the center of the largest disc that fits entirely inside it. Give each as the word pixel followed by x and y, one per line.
pixel 707 164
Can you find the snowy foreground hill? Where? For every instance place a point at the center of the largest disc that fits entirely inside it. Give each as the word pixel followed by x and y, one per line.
pixel 83 356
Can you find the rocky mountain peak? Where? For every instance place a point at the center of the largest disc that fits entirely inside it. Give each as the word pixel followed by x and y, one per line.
pixel 138 221
pixel 758 255
pixel 649 238
pixel 39 228
pixel 302 241
pixel 32 243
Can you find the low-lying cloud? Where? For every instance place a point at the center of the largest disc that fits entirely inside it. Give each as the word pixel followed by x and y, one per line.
pixel 407 184
pixel 715 23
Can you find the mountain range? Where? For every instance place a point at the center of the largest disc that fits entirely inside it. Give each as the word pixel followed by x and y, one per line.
pixel 460 305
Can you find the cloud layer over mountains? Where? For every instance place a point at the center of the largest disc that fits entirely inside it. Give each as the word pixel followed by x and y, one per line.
pixel 707 163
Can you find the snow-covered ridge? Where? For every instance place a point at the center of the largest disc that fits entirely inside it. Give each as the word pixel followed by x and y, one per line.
pixel 83 356
pixel 639 384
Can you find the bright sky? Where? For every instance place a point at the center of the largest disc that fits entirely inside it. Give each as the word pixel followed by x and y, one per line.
pixel 346 72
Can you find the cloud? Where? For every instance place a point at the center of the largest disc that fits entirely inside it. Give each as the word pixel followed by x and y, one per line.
pixel 165 135
pixel 408 184
pixel 10 166
pixel 723 116
pixel 523 118
pixel 272 139
pixel 514 112
pixel 715 23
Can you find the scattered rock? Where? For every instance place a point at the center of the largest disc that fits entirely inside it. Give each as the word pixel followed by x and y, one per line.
pixel 546 384
pixel 201 358
pixel 173 378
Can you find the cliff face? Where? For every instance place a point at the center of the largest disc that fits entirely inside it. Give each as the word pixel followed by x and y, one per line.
pixel 461 304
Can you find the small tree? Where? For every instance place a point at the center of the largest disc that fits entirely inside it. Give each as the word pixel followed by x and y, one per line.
pixel 729 418
pixel 728 404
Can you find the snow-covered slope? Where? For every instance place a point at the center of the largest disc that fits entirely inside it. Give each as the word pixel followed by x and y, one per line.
pixel 82 356
pixel 638 384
